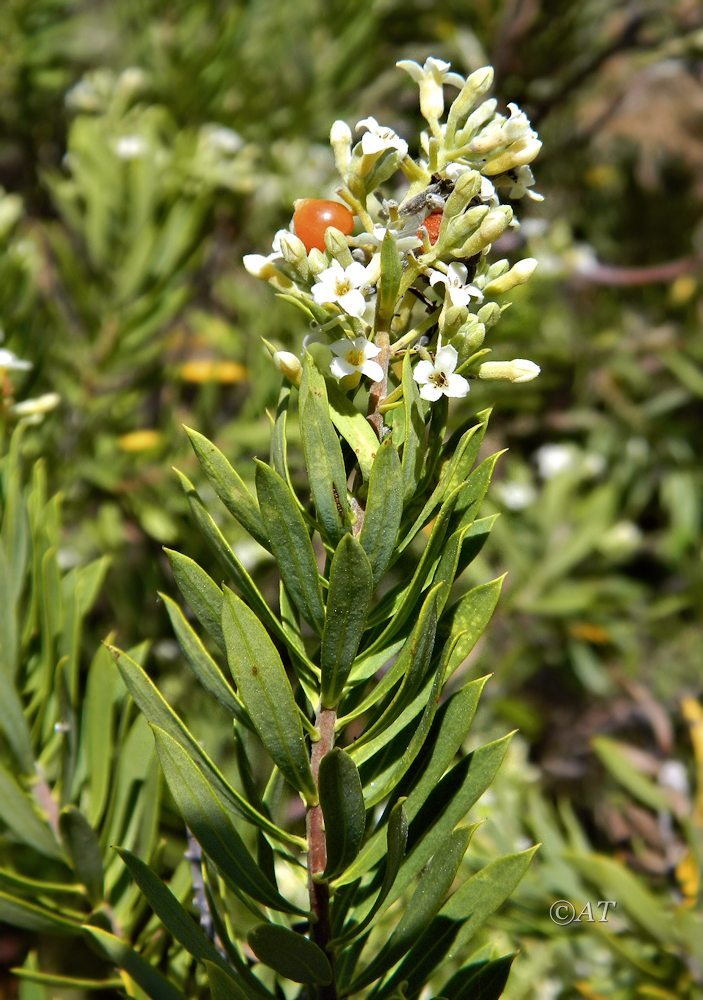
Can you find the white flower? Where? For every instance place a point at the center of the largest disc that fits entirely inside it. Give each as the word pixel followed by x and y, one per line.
pixel 406 237
pixel 524 179
pixel 379 138
pixel 131 147
pixel 516 495
pixel 341 285
pixel 36 408
pixel 261 265
pixel 355 356
pixel 431 79
pixel 458 292
pixel 440 379
pixel 222 139
pixel 552 459
pixel 10 362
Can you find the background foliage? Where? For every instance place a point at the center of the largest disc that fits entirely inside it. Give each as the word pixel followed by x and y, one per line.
pixel 144 148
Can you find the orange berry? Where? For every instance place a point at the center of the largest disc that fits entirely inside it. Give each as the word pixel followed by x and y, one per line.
pixel 313 217
pixel 432 224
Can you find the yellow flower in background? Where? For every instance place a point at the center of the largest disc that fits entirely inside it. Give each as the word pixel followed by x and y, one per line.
pixel 201 370
pixel 142 440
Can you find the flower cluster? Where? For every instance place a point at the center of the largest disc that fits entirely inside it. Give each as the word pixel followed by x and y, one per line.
pixel 399 262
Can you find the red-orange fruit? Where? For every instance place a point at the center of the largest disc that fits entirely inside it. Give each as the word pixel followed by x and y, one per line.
pixel 313 217
pixel 432 224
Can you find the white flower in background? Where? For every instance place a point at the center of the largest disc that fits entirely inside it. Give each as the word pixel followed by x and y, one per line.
pixel 341 286
pixel 9 362
pixel 35 409
pixel 431 79
pixel 261 265
pixel 524 179
pixel 519 370
pixel 378 139
pixel 221 139
pixel 131 147
pixel 341 141
pixel 552 459
pixel 438 378
pixel 458 291
pixel 516 495
pixel 355 356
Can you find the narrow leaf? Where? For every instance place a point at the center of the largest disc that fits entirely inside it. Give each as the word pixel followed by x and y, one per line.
pixel 414 435
pixel 154 984
pixel 342 802
pixel 390 281
pixel 32 917
pixel 266 692
pixel 83 848
pixel 348 599
pixel 291 955
pixel 289 540
pixel 384 509
pixel 354 428
pixel 223 986
pixel 480 980
pixel 201 592
pixel 17 812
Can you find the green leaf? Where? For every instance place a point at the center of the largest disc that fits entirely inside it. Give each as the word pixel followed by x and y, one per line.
pixel 266 692
pixel 396 840
pixel 66 982
pixel 342 802
pixel 13 723
pixel 83 848
pixel 154 984
pixel 291 955
pixel 97 731
pixel 17 812
pixel 279 444
pixel 202 664
pixel 425 902
pixel 614 755
pixel 348 600
pixel 228 485
pixel 222 986
pixel 201 592
pixel 389 283
pixel 384 509
pixel 205 817
pixel 471 497
pixel 159 713
pixel 173 916
pixel 414 434
pixel 323 455
pixel 35 888
pixel 354 428
pixel 480 980
pixel 482 894
pixel 468 618
pixel 31 917
pixel 290 542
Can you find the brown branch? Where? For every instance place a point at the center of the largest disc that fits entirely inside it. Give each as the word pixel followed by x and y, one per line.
pixel 379 390
pixel 317 847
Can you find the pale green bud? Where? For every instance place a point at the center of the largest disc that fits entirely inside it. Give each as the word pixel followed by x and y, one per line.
pixel 518 154
pixel 476 120
pixel 294 253
pixel 461 226
pixel 493 225
pixel 289 365
pixel 472 335
pixel 261 267
pixel 338 246
pixel 489 314
pixel 317 261
pixel 451 319
pixel 519 370
pixel 517 275
pixel 477 84
pixel 467 187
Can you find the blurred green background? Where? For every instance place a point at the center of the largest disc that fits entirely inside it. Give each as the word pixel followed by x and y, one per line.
pixel 145 146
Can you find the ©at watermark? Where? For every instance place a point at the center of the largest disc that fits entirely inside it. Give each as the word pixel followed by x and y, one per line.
pixel 564 912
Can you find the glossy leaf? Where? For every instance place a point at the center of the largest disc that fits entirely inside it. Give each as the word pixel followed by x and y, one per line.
pixel 154 983
pixel 354 428
pixel 13 724
pixel 202 594
pixel 98 736
pixel 389 283
pixel 74 983
pixel 223 986
pixel 481 980
pixel 228 485
pixel 290 542
pixel 468 617
pixel 342 802
pixel 323 456
pixel 265 690
pixel 291 955
pixel 384 509
pixel 33 917
pixel 348 598
pixel 211 827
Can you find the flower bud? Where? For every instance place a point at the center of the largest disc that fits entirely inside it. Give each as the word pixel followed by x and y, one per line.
pixel 489 314
pixel 261 267
pixel 317 261
pixel 338 246
pixel 519 370
pixel 467 187
pixel 476 120
pixel 462 226
pixel 517 275
pixel 341 140
pixel 493 225
pixel 289 365
pixel 477 84
pixel 36 407
pixel 517 155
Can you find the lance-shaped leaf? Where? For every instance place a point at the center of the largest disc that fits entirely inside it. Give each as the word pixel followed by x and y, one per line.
pixel 228 485
pixel 278 458
pixel 205 817
pixel 223 986
pixel 142 972
pixel 18 814
pixel 159 713
pixel 425 902
pixel 414 433
pixel 469 617
pixel 342 802
pixel 170 912
pixel 291 955
pixel 472 495
pixel 323 455
pixel 354 428
pixel 202 594
pixel 290 542
pixel 389 283
pixel 480 980
pixel 67 982
pixel 32 917
pixel 396 839
pixel 384 509
pixel 83 848
pixel 13 724
pixel 266 692
pixel 202 664
pixel 348 599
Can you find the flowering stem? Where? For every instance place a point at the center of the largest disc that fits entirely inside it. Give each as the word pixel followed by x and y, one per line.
pixel 380 388
pixel 317 846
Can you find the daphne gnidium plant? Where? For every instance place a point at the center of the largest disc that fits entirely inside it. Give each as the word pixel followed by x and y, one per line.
pixel 337 864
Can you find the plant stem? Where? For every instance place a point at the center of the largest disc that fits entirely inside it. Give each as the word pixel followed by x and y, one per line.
pixel 379 389
pixel 317 847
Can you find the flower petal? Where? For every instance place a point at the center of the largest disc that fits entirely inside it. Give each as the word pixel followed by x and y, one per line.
pixel 371 350
pixel 446 359
pixel 341 347
pixel 339 368
pixel 353 302
pixel 430 392
pixel 423 371
pixel 457 386
pixel 372 370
